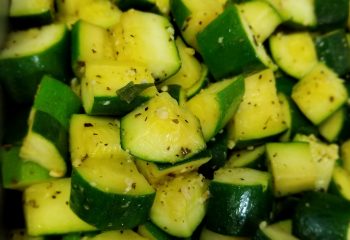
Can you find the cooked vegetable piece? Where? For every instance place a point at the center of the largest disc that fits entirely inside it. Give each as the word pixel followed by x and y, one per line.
pixel 324 157
pixel 294 52
pixel 261 17
pixel 103 13
pixel 291 166
pixel 345 154
pixel 47 211
pixel 147 38
pixel 275 231
pixel 192 16
pixel 89 43
pixel 17 173
pixel 31 13
pixel 319 93
pixel 240 198
pixel 161 131
pixel 33 53
pixel 333 49
pixel 105 180
pixel 150 231
pixel 227 37
pixel 259 116
pixel 192 75
pixel 180 204
pixel 101 84
pixel 331 14
pixel 340 183
pixel 321 216
pixel 248 158
pixel 222 100
pixel 333 127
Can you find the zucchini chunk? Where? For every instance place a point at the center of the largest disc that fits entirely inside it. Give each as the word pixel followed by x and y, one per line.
pixel 247 158
pixel 340 183
pixel 240 198
pixel 227 37
pixel 259 116
pixel 102 82
pixel 321 216
pixel 261 17
pixel 331 14
pixel 222 100
pixel 147 38
pixel 103 13
pixel 319 94
pixel 291 166
pixel 299 13
pixel 150 231
pixel 295 53
pixel 33 53
pixel 180 203
pixel 105 181
pixel 345 154
pixel 177 92
pixel 324 157
pixel 117 235
pixel 31 13
pixel 89 43
pixel 17 173
pixel 206 234
pixel 192 75
pixel 333 127
pixel 47 211
pixel 155 173
pixel 161 131
pixel 46 142
pixel 192 16
pixel 276 231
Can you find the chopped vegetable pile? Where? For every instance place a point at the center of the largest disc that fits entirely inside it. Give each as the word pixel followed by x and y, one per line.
pixel 176 119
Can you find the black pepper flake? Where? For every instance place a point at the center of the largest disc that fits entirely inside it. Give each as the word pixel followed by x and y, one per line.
pixel 88 125
pixel 146 108
pixel 137 115
pixel 185 151
pixel 53 196
pixel 33 203
pixel 58 192
pixel 133 185
pixel 86 156
pixel 98 76
pixel 94 134
pixel 108 88
pixel 67 202
pixel 145 119
pixel 175 121
pixel 331 98
pixel 93 50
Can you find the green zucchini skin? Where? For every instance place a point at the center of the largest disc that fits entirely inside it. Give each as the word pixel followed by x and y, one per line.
pixel 145 5
pixel 180 12
pixel 53 61
pixel 84 202
pixel 226 214
pixel 331 14
pixel 333 49
pixel 321 216
pixel 222 40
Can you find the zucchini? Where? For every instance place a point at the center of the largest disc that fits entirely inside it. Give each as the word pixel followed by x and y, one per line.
pixel 345 154
pixel 339 184
pixel 192 16
pixel 321 216
pixel 180 204
pixel 206 234
pixel 150 231
pixel 31 13
pixel 291 166
pixel 177 92
pixel 275 231
pixel 89 43
pixel 102 82
pixel 259 116
pixel 319 94
pixel 155 173
pixel 333 50
pixel 299 13
pixel 147 38
pixel 225 38
pixel 240 198
pixel 261 17
pixel 103 13
pixel 161 131
pixel 17 173
pixel 222 100
pixel 295 52
pixel 333 127
pixel 46 142
pixel 47 211
pixel 331 14
pixel 324 157
pixel 21 234
pixel 47 54
pixel 248 158
pixel 117 235
pixel 105 181
pixel 192 75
